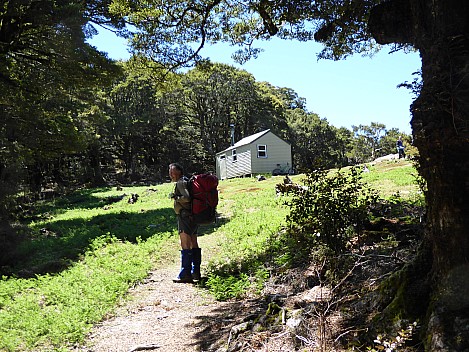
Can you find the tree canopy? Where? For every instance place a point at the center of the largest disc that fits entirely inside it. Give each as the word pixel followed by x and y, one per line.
pixel 46 73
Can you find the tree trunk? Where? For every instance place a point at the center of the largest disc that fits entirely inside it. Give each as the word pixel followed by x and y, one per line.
pixel 35 179
pixel 439 29
pixel 95 165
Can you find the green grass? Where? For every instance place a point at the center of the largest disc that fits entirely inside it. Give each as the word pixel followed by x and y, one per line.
pixel 392 177
pixel 80 265
pixel 53 310
pixel 84 253
pixel 253 214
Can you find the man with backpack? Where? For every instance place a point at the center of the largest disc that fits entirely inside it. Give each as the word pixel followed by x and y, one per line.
pixel 191 254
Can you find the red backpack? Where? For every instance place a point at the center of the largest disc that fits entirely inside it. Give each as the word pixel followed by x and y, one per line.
pixel 204 193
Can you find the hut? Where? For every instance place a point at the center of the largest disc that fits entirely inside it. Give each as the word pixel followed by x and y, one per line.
pixel 259 153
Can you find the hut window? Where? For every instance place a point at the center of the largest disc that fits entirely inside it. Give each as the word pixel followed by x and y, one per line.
pixel 234 156
pixel 262 151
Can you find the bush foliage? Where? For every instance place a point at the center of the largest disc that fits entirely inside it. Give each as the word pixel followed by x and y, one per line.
pixel 330 208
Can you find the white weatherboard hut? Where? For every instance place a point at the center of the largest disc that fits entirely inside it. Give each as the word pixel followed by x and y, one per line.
pixel 259 153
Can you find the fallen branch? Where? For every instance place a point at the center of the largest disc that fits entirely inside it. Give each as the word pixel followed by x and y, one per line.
pixel 151 346
pixel 381 256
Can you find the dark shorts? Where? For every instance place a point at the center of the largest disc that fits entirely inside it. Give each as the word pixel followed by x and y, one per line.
pixel 185 223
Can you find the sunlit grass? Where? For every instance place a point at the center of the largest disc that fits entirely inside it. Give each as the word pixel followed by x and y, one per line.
pixel 393 176
pixel 83 256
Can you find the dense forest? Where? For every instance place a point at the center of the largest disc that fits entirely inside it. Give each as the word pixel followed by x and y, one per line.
pixel 132 120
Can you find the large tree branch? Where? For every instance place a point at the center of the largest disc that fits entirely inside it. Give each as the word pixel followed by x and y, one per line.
pixel 391 22
pixel 266 18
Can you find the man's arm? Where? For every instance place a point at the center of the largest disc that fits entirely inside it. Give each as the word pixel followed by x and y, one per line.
pixel 184 195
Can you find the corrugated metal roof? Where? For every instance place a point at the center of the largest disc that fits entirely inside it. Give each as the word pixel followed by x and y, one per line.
pixel 246 140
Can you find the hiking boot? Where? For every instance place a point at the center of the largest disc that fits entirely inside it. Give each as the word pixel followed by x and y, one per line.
pixel 185 275
pixel 196 261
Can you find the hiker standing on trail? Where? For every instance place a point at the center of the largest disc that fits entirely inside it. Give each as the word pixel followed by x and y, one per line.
pixel 191 255
pixel 400 148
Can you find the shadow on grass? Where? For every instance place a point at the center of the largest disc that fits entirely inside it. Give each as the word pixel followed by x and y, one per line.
pixel 61 243
pixel 83 199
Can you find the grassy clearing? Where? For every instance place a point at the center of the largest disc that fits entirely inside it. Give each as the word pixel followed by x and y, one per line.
pixel 86 250
pixel 84 253
pixel 393 177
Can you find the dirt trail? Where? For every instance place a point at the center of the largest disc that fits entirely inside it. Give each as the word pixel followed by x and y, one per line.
pixel 160 315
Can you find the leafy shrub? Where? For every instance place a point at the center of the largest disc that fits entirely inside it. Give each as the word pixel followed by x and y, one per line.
pixel 394 343
pixel 227 287
pixel 330 208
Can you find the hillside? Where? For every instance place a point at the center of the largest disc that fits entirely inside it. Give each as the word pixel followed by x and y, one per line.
pixel 297 308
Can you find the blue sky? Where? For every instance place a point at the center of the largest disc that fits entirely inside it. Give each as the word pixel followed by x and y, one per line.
pixel 358 90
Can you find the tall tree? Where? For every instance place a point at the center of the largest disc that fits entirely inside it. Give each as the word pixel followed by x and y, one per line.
pixel 275 105
pixel 315 143
pixel 174 32
pixel 142 127
pixel 368 140
pixel 46 72
pixel 214 96
pixel 217 95
pixel 440 116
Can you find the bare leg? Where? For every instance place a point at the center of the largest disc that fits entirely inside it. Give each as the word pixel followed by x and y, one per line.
pixel 194 243
pixel 186 240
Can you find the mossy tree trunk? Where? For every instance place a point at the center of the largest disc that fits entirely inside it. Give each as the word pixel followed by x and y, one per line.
pixel 439 29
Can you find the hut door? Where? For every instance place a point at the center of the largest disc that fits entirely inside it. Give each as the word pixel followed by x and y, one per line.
pixel 222 165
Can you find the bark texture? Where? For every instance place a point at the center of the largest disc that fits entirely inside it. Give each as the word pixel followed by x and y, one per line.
pixel 439 29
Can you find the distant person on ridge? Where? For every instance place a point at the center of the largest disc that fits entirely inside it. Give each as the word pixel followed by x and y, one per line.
pixel 191 256
pixel 400 148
